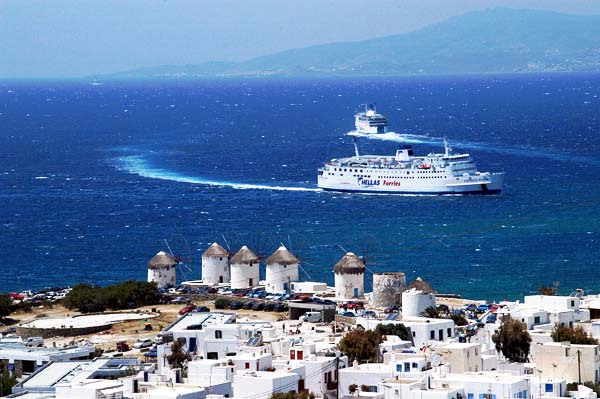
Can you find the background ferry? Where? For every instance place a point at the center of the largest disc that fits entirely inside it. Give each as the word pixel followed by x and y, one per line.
pixel 370 122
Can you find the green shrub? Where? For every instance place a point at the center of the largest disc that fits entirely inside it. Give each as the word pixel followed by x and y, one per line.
pixel 127 295
pixel 222 303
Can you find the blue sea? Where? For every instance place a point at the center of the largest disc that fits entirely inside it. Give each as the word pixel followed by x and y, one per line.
pixel 95 178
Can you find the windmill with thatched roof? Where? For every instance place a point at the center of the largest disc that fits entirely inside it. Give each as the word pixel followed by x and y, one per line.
pixel 282 270
pixel 215 265
pixel 245 269
pixel 162 270
pixel 349 277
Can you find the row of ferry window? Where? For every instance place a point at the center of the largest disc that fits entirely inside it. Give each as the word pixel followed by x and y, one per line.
pixel 407 172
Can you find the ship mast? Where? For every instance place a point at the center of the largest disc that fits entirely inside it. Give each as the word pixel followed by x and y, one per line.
pixel 447 148
pixel 355 147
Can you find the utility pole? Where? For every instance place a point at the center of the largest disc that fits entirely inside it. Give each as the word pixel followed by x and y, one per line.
pixel 579 365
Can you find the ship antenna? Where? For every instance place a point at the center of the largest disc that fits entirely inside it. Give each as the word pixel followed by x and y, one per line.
pixel 355 147
pixel 447 148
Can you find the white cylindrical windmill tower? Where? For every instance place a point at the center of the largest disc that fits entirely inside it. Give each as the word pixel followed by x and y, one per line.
pixel 349 277
pixel 215 265
pixel 418 297
pixel 282 270
pixel 245 269
pixel 162 270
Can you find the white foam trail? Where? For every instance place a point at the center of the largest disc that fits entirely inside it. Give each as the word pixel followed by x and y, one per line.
pixel 135 164
pixel 422 139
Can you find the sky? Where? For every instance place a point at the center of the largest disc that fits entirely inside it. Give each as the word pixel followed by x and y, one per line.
pixel 77 38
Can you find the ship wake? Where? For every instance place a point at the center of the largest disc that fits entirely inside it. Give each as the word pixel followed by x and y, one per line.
pixel 137 165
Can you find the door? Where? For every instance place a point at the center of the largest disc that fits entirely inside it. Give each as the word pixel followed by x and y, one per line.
pixel 355 292
pixel 220 279
pixel 250 282
pixel 193 345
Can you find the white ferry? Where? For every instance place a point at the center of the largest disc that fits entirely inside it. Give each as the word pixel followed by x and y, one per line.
pixel 405 173
pixel 370 122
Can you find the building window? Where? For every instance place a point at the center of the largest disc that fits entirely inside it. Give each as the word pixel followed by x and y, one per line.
pixel 218 334
pixel 536 319
pixel 549 388
pixel 449 331
pixel 247 365
pixel 470 396
pixel 432 334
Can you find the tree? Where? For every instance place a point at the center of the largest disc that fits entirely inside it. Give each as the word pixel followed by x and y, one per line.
pixel 431 312
pixel 513 340
pixel 129 294
pixel 178 357
pixel 86 298
pixel 393 329
pixel 362 345
pixel 575 335
pixel 221 303
pixel 544 290
pixel 7 380
pixel 459 319
pixel 5 305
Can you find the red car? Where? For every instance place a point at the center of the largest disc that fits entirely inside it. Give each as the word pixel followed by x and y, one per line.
pixel 187 309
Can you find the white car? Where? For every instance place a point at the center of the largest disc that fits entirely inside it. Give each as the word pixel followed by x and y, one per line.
pixel 143 343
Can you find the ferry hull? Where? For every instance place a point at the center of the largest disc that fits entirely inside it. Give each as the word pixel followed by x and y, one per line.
pixel 482 185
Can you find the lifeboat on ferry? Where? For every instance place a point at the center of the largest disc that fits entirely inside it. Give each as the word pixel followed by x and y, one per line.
pixel 424 166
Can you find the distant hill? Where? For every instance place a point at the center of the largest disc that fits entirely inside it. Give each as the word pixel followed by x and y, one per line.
pixel 492 41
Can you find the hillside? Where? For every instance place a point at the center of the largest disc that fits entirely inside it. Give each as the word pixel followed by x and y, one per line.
pixel 491 41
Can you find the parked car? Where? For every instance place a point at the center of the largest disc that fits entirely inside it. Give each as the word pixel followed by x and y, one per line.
pixel 491 318
pixel 369 313
pixel 143 343
pixel 187 309
pixel 248 305
pixel 202 309
pixel 348 314
pixel 311 317
pixel 281 307
pixel 269 307
pixel 258 306
pixel 180 299
pixel 211 290
pixel 483 308
pixel 235 305
pixel 122 346
pixel 34 341
pixel 391 309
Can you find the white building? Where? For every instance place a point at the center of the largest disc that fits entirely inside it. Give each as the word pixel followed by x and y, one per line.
pixel 162 270
pixel 424 331
pixel 245 269
pixel 282 270
pixel 90 389
pixel 569 361
pixel 461 357
pixel 349 277
pixel 485 385
pixel 211 335
pixel 262 384
pixel 215 265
